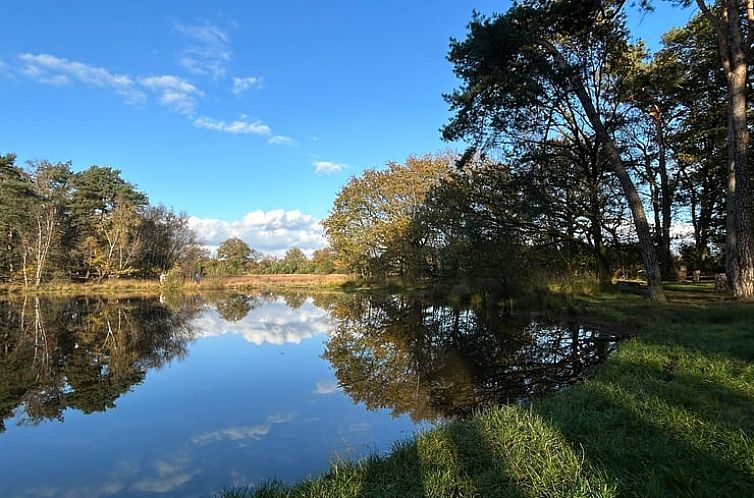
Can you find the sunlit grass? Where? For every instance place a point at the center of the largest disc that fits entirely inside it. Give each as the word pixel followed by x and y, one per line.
pixel 671 413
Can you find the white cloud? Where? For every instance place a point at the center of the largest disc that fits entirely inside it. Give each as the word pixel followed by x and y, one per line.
pixel 51 70
pixel 327 167
pixel 281 140
pixel 241 85
pixel 209 51
pixel 175 93
pixel 273 323
pixel 271 232
pixel 239 126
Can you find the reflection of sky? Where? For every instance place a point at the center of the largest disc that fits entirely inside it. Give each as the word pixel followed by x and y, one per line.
pixel 253 400
pixel 272 323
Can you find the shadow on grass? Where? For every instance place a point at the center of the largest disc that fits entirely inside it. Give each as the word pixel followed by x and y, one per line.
pixel 657 432
pixel 671 413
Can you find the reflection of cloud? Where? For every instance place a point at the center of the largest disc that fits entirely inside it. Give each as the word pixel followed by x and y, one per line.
pixel 254 432
pixel 43 491
pixel 233 434
pixel 359 427
pixel 326 387
pixel 172 472
pixel 272 323
pixel 162 484
pixel 238 479
pixel 281 418
pixel 112 488
pixel 162 476
pixel 87 491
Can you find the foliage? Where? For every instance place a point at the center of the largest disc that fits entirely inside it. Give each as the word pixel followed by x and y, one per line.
pixel 87 352
pixel 86 225
pixel 235 254
pixel 546 66
pixel 370 226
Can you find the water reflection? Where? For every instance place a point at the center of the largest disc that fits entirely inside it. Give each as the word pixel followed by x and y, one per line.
pixel 180 396
pixel 82 353
pixel 432 360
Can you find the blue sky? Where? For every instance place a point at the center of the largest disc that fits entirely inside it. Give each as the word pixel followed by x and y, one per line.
pixel 249 116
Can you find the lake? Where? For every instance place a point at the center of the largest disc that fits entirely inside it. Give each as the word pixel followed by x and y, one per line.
pixel 185 395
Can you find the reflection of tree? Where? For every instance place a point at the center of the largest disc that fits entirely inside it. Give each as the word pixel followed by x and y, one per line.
pixel 234 307
pixel 82 353
pixel 294 300
pixel 428 360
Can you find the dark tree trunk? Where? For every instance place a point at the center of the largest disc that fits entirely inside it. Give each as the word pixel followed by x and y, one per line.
pixel 602 264
pixel 743 250
pixel 646 244
pixel 666 197
pixel 734 47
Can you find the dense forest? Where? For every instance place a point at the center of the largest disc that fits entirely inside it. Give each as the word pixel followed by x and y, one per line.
pixel 591 157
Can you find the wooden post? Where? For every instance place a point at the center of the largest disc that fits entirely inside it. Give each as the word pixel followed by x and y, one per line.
pixel 721 282
pixel 683 273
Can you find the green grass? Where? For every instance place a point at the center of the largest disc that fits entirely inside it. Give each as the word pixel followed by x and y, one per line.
pixel 671 413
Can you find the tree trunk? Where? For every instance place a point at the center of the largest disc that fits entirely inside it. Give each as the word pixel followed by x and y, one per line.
pixel 743 286
pixel 731 261
pixel 598 241
pixel 666 196
pixel 734 49
pixel 648 253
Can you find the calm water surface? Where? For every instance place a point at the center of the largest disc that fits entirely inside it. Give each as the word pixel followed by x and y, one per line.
pixel 182 397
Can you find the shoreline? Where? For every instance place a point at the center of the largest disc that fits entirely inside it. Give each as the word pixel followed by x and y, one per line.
pixel 670 412
pixel 334 281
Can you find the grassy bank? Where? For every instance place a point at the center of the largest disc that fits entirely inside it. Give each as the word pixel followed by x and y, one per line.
pixel 152 286
pixel 671 413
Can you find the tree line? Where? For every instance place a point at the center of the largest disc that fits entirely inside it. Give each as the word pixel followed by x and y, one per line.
pixel 236 257
pixel 57 224
pixel 587 154
pixel 87 225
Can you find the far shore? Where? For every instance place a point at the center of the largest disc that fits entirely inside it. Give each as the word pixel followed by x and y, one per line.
pixel 152 286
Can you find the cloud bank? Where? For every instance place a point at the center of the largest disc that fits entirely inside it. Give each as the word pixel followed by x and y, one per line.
pixel 272 232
